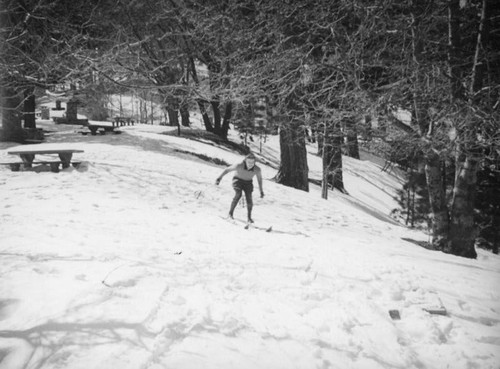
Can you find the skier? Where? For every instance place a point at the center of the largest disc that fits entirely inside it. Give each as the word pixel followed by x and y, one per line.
pixel 242 182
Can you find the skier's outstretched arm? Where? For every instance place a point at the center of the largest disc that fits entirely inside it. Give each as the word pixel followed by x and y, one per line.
pixel 224 172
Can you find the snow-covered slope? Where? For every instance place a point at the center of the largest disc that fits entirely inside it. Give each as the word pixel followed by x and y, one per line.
pixel 127 263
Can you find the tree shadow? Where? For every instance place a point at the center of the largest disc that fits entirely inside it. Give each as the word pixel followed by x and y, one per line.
pixel 209 138
pixel 52 338
pixel 424 244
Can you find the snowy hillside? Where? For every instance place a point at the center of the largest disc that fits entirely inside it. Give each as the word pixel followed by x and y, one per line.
pixel 128 263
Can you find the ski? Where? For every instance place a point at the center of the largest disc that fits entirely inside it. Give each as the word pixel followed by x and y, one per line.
pixel 248 225
pixel 229 219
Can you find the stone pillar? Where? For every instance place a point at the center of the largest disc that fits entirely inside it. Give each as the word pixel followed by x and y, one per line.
pixel 45 113
pixel 58 105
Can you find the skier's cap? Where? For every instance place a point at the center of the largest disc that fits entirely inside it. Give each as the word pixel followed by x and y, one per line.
pixel 250 156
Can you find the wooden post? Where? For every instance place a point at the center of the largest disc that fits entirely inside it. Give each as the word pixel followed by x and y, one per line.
pixel 152 112
pixel 121 106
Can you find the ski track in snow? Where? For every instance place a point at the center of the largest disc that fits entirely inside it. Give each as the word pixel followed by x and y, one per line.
pixel 126 263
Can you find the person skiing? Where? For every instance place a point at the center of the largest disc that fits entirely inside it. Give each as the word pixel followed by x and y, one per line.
pixel 243 182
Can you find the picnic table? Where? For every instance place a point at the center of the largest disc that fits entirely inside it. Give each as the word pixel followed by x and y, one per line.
pixel 27 153
pixel 108 126
pixel 102 127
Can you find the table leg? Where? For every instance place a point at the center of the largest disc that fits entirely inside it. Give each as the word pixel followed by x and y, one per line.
pixel 54 167
pixel 65 159
pixel 15 167
pixel 27 160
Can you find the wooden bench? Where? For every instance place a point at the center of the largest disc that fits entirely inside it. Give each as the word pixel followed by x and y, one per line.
pixel 27 154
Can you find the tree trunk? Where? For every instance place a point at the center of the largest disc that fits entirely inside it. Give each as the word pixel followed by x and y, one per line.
pixel 320 137
pixel 478 67
pixel 367 129
pixel 221 122
pixel 10 103
pixel 455 61
pixel 325 153
pixel 293 170
pixel 332 159
pixel 72 111
pixel 228 112
pixel 463 230
pixel 206 118
pixel 440 216
pixel 217 115
pixel 184 110
pixel 352 147
pixel 437 202
pixel 29 109
pixel 173 116
pixel 152 110
pixel 173 111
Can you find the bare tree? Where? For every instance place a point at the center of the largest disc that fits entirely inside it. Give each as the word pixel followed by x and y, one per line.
pixel 440 87
pixel 42 43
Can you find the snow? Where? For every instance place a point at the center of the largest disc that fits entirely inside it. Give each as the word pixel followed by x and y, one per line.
pixel 46 148
pixel 126 262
